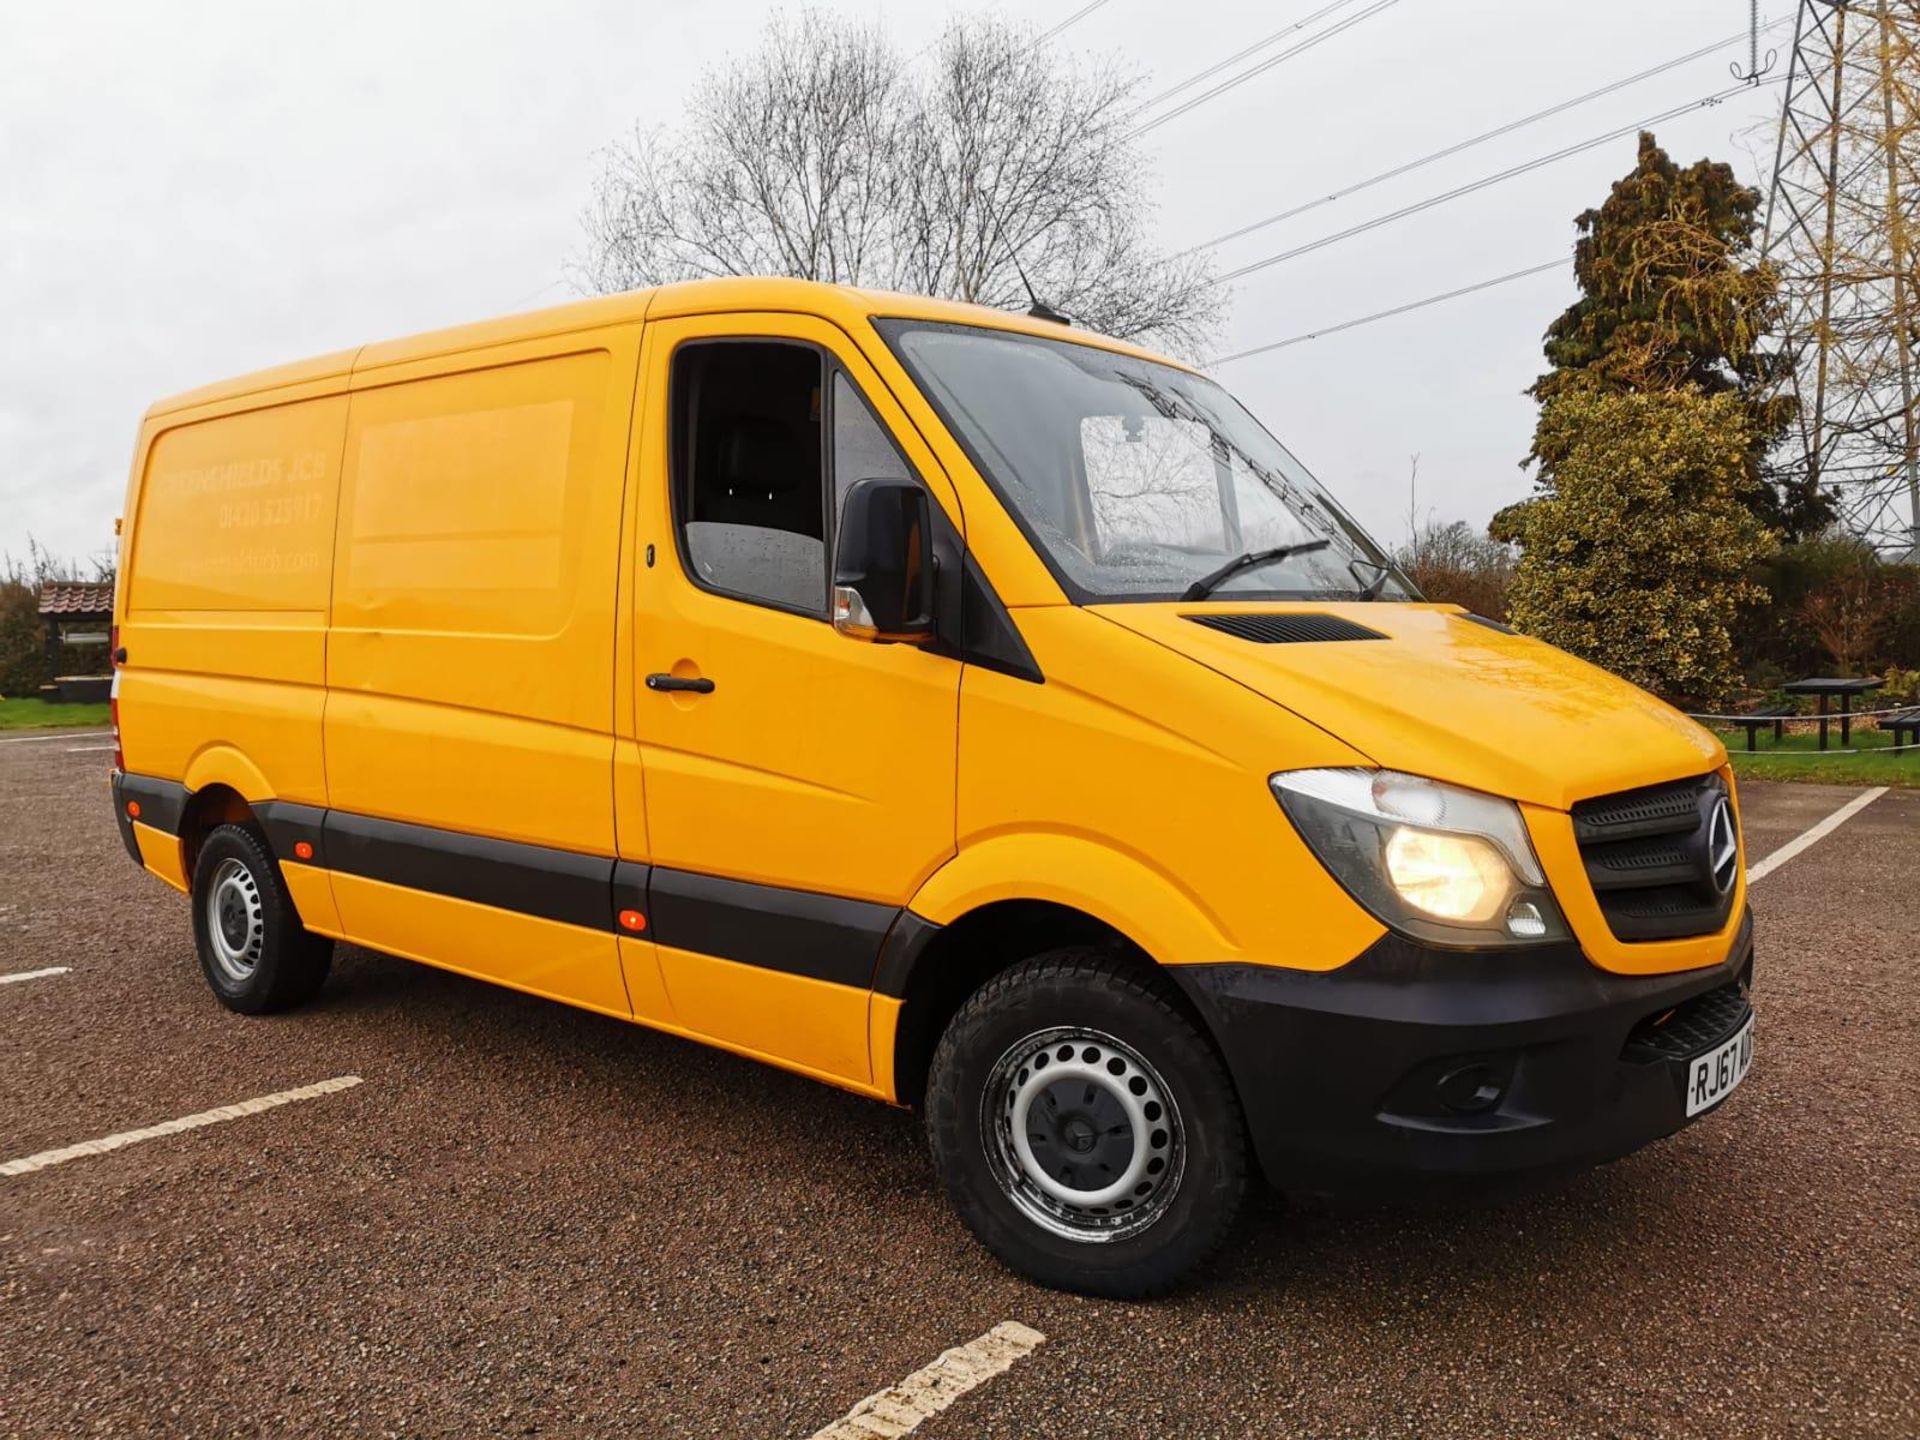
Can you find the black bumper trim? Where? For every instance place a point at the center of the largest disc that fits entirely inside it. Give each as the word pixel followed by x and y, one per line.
pixel 800 932
pixel 569 886
pixel 900 953
pixel 1367 1075
pixel 162 802
pixel 118 785
pixel 289 824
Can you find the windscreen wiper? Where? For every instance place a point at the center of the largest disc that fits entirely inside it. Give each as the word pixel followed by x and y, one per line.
pixel 1252 560
pixel 1370 590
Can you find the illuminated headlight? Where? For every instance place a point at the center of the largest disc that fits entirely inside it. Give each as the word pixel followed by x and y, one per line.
pixel 1432 861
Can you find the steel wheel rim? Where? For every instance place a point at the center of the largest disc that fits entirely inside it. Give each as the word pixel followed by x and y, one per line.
pixel 236 921
pixel 1082 1134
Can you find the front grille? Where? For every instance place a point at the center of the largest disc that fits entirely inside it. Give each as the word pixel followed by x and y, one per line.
pixel 1658 864
pixel 1695 1026
pixel 1282 629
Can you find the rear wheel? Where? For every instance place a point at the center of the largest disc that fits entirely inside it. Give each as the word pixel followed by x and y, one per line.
pixel 1085 1128
pixel 254 951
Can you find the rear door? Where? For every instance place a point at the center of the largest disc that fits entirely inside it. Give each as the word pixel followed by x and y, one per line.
pixel 469 718
pixel 802 789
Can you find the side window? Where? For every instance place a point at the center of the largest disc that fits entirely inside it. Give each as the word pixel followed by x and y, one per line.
pixel 862 449
pixel 747 460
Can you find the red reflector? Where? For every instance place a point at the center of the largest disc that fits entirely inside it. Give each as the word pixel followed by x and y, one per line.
pixel 133 809
pixel 632 920
pixel 302 850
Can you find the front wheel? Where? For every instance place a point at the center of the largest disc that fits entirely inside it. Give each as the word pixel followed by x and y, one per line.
pixel 1085 1128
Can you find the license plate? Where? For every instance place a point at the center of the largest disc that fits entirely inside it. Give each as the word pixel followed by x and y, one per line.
pixel 1715 1075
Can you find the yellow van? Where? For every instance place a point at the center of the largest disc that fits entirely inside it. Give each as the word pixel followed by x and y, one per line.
pixel 952 706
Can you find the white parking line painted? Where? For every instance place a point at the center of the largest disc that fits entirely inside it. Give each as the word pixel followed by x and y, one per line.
pixel 34 974
pixel 87 749
pixel 69 735
pixel 1810 837
pixel 28 1163
pixel 900 1408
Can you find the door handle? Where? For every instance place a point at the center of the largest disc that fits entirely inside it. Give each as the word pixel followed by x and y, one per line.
pixel 696 685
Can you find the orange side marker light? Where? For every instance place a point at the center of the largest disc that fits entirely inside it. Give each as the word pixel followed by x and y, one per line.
pixel 303 850
pixel 133 809
pixel 632 920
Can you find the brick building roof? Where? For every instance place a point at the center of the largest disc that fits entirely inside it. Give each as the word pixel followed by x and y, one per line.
pixel 76 597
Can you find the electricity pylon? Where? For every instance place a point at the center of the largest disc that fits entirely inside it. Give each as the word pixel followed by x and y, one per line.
pixel 1843 229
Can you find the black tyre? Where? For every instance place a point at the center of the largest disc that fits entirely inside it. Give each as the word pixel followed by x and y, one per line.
pixel 254 951
pixel 1085 1127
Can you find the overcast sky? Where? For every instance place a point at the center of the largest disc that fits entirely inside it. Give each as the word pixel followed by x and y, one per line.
pixel 192 191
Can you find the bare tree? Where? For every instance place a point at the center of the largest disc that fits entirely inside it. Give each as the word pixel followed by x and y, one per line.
pixel 823 156
pixel 1453 563
pixel 787 164
pixel 1018 162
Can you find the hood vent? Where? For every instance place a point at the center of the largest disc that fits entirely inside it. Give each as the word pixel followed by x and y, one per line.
pixel 1281 629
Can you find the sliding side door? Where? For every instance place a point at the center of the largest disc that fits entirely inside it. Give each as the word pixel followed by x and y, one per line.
pixel 468 727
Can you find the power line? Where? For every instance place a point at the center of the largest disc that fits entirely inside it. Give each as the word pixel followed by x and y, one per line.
pixel 1075 18
pixel 533 295
pixel 1039 40
pixel 1511 275
pixel 1484 182
pixel 1251 71
pixel 1239 55
pixel 1509 128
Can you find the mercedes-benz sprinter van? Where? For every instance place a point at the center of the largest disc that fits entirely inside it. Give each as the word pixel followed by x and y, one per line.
pixel 956 707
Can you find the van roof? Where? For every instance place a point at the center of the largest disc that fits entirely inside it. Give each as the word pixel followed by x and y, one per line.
pixel 844 304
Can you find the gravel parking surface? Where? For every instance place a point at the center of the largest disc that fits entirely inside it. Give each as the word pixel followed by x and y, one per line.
pixel 531 1220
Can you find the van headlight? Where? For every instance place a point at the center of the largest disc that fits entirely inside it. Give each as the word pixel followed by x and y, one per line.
pixel 1433 861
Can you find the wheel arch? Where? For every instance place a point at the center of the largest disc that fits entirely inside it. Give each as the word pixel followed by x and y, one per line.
pixel 931 970
pixel 223 787
pixel 1010 896
pixel 207 808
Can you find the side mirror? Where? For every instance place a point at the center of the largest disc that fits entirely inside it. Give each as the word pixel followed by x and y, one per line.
pixel 883 564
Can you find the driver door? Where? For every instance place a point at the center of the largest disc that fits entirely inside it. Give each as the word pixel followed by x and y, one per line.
pixel 799 784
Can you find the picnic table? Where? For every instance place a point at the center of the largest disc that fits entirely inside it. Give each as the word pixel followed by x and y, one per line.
pixel 1825 687
pixel 1903 722
pixel 1776 716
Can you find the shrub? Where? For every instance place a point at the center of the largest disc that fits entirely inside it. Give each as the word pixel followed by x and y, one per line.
pixel 1456 565
pixel 1899 687
pixel 1831 600
pixel 1638 551
pixel 23 654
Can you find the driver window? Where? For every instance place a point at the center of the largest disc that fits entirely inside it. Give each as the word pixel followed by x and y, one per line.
pixel 748 489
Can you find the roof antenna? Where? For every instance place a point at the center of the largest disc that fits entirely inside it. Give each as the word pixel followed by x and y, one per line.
pixel 1039 309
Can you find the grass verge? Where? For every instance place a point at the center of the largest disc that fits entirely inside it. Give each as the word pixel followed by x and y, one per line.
pixel 31 713
pixel 1798 757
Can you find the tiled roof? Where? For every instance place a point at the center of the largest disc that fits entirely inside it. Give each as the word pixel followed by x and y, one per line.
pixel 76 597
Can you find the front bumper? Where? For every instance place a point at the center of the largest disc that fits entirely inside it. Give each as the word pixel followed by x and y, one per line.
pixel 1413 1063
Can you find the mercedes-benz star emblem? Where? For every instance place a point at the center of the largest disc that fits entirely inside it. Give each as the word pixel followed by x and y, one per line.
pixel 1723 849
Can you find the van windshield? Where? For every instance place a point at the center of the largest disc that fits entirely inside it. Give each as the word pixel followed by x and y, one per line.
pixel 1135 479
